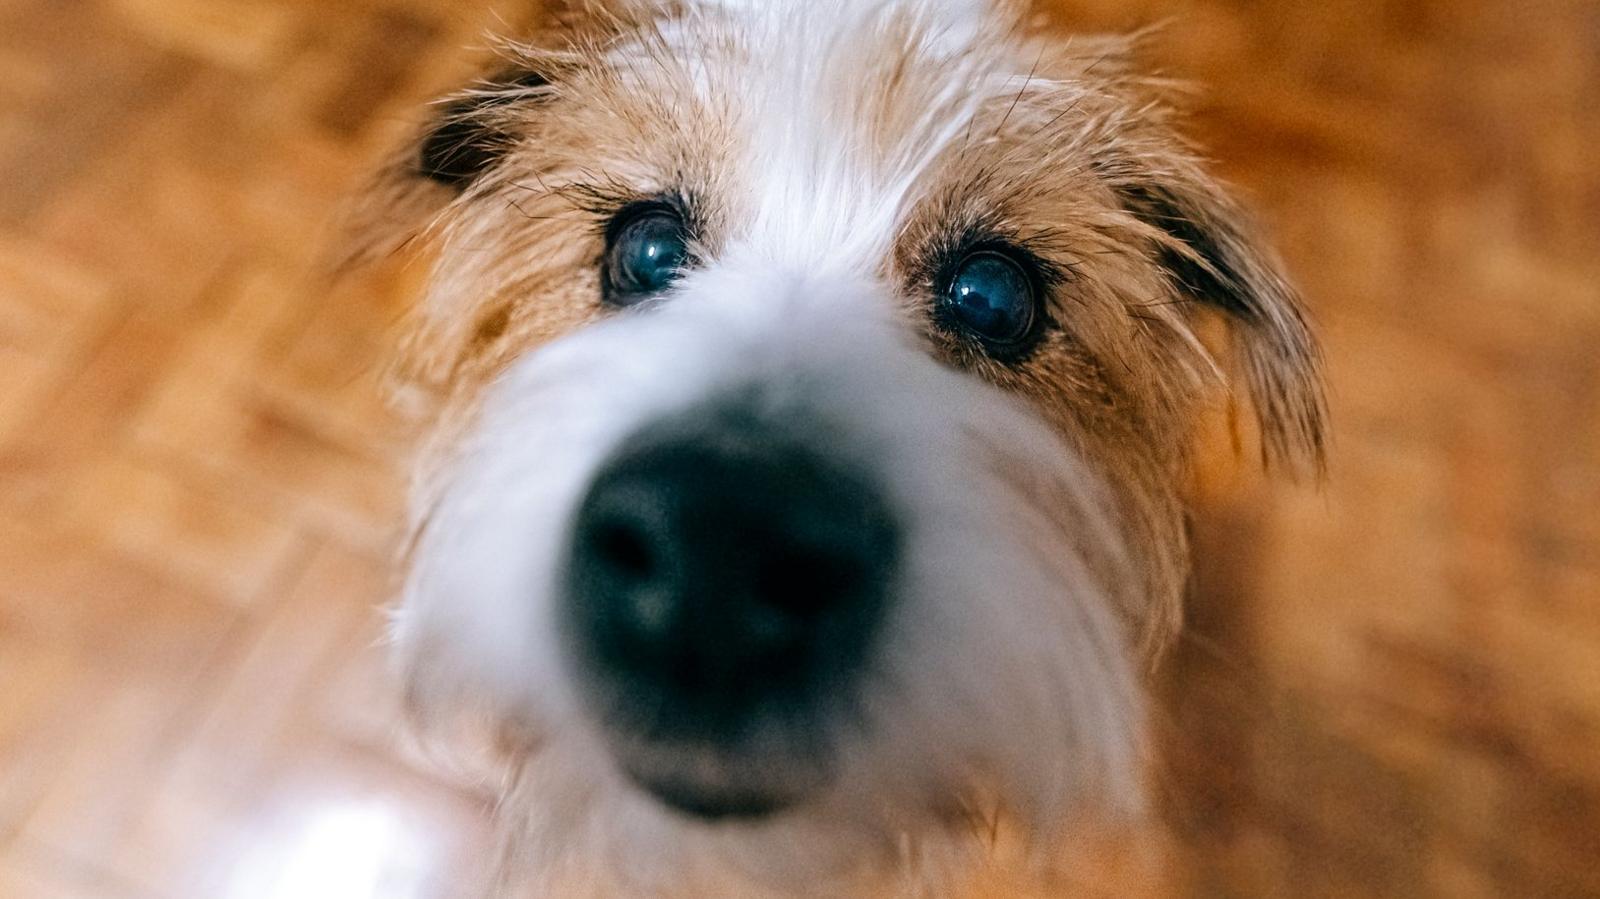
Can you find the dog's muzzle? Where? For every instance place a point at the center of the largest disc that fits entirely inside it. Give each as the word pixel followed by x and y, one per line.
pixel 723 592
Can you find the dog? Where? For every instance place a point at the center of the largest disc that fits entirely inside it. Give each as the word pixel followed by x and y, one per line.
pixel 808 391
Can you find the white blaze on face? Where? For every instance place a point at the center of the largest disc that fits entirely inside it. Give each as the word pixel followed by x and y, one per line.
pixel 840 108
pixel 843 133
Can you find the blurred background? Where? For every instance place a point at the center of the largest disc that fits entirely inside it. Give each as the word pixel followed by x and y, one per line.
pixel 1391 686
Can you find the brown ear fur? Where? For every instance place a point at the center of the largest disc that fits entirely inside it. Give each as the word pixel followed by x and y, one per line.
pixel 471 129
pixel 1202 240
pixel 1206 244
pixel 467 134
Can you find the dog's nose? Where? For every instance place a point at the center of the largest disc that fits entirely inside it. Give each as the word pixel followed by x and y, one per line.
pixel 718 570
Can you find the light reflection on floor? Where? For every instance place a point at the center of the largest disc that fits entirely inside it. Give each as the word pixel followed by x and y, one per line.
pixel 352 849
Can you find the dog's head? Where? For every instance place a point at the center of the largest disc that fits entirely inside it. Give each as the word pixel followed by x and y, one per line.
pixel 811 386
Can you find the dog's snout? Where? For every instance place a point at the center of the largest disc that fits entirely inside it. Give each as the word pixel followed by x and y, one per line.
pixel 718 570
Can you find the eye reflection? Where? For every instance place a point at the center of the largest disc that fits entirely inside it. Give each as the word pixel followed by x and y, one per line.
pixel 992 297
pixel 647 251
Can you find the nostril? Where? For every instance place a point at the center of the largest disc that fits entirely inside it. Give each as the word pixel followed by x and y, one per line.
pixel 624 549
pixel 626 564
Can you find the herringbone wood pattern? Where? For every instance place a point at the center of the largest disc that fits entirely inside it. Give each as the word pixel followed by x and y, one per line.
pixel 1392 687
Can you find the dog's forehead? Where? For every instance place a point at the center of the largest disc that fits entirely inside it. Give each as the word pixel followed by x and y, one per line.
pixel 831 113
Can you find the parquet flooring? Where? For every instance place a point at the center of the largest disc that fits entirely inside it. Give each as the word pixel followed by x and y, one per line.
pixel 1392 687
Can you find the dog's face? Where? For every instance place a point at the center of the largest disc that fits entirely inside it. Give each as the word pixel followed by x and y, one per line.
pixel 811 385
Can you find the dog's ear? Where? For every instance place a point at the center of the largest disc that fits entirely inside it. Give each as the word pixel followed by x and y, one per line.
pixel 472 130
pixel 1210 255
pixel 456 147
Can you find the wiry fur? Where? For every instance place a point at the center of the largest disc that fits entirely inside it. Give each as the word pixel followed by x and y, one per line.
pixel 828 153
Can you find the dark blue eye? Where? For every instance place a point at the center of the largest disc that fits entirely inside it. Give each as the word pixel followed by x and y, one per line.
pixel 992 297
pixel 647 250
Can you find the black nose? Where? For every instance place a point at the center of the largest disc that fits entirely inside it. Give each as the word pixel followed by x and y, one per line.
pixel 719 572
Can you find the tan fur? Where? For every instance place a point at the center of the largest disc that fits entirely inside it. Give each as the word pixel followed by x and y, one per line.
pixel 1124 375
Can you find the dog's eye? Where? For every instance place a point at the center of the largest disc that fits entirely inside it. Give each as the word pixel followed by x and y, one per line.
pixel 647 249
pixel 992 297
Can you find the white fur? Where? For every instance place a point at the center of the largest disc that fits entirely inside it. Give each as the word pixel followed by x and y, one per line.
pixel 829 176
pixel 1003 679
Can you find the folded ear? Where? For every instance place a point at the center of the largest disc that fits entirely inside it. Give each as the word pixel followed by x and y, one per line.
pixel 467 133
pixel 1204 243
pixel 458 144
pixel 472 130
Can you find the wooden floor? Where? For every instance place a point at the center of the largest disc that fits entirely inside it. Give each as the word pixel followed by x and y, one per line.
pixel 1393 685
